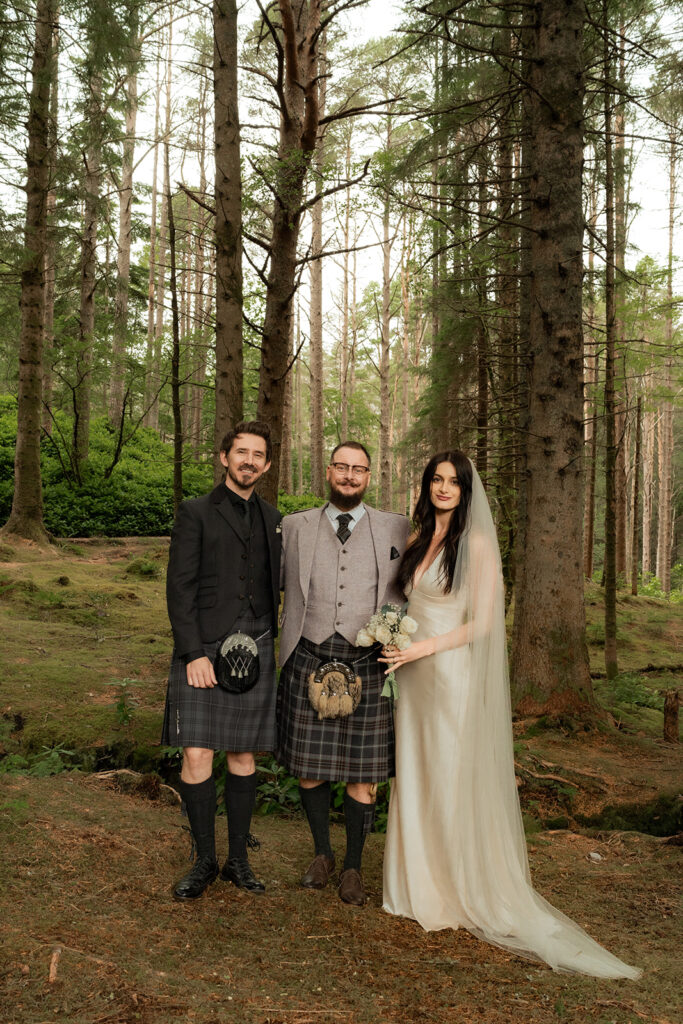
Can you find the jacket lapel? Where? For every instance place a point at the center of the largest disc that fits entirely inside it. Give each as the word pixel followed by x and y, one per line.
pixel 226 509
pixel 382 559
pixel 308 538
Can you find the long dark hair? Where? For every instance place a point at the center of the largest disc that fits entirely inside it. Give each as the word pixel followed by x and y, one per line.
pixel 424 520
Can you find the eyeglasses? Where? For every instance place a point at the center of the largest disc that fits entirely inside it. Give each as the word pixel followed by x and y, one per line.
pixel 343 467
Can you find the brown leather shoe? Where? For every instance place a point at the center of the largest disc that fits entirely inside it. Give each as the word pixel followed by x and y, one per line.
pixel 319 871
pixel 351 889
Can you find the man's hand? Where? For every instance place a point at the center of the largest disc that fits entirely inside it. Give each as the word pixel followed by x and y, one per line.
pixel 200 674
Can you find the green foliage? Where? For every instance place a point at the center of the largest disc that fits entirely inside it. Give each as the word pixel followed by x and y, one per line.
pixel 143 568
pixel 126 703
pixel 135 498
pixel 651 586
pixel 288 503
pixel 628 688
pixel 49 761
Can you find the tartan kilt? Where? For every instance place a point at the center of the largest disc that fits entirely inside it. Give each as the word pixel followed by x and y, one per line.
pixel 356 748
pixel 216 719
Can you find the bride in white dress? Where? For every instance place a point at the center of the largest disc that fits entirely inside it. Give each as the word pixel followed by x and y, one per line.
pixel 455 852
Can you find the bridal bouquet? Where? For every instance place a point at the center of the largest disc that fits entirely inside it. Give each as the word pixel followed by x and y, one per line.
pixel 391 627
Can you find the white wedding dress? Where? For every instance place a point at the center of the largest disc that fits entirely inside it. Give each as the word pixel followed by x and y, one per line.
pixel 455 852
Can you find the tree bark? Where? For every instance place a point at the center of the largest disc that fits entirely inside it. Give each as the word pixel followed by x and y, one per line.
pixel 611 442
pixel 316 309
pixel 120 338
pixel 666 417
pixel 175 352
pixel 385 453
pixel 151 280
pixel 636 497
pixel 26 516
pixel 88 277
pixel 550 658
pixel 299 122
pixel 228 187
pixel 51 247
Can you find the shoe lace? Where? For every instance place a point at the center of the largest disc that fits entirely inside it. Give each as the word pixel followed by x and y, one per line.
pixel 252 842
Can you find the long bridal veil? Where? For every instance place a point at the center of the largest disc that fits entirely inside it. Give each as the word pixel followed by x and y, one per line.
pixel 487 835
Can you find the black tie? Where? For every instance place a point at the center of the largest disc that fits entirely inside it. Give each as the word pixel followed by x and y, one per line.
pixel 245 509
pixel 343 531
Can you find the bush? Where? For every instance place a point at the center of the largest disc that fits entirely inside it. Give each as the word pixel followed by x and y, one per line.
pixel 136 500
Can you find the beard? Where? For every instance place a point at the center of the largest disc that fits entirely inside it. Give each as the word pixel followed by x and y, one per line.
pixel 346 502
pixel 235 476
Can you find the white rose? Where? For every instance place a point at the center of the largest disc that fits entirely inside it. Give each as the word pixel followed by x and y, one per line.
pixel 364 639
pixel 408 625
pixel 383 634
pixel 402 641
pixel 390 618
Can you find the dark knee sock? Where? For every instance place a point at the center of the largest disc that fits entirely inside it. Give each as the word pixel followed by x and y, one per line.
pixel 200 803
pixel 316 803
pixel 240 797
pixel 359 818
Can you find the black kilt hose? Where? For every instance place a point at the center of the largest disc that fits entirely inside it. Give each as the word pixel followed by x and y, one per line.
pixel 218 720
pixel 356 748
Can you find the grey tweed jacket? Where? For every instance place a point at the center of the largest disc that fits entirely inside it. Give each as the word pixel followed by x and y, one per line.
pixel 389 532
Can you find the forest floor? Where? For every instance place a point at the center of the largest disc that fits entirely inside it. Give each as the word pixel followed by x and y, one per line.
pixel 88 858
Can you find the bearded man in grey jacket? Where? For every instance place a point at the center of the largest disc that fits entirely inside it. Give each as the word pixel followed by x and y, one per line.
pixel 340 565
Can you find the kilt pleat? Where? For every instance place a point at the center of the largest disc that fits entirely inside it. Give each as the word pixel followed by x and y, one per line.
pixel 216 719
pixel 356 748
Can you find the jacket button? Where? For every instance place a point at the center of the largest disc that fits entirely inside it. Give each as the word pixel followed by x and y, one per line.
pixel 244 557
pixel 340 604
pixel 241 597
pixel 341 586
pixel 243 577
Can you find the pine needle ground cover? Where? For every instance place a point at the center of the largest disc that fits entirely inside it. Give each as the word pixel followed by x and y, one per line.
pixel 87 894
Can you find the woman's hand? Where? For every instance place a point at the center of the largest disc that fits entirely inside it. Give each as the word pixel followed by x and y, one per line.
pixel 396 659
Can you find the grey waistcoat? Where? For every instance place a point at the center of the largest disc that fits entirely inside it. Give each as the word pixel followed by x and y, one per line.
pixel 342 594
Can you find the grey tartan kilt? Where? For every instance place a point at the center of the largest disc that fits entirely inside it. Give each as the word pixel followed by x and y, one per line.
pixel 219 720
pixel 357 748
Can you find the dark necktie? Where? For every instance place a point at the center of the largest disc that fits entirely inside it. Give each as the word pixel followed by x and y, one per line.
pixel 343 531
pixel 245 509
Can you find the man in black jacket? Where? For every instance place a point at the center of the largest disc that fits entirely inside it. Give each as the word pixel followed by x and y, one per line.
pixel 223 578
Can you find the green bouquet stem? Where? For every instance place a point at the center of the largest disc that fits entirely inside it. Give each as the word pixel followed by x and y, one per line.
pixel 390 688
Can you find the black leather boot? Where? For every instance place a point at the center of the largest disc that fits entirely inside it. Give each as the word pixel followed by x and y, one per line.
pixel 200 803
pixel 238 871
pixel 200 876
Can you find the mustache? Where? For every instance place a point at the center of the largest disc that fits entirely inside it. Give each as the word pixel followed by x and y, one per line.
pixel 246 466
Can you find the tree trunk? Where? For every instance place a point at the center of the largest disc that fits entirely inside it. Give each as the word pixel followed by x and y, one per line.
pixel 120 338
pixel 287 419
pixel 590 400
pixel 51 247
pixel 86 322
pixel 648 487
pixel 666 418
pixel 175 352
pixel 150 388
pixel 611 441
pixel 550 657
pixel 298 134
pixel 344 347
pixel 636 496
pixel 671 705
pixel 385 453
pixel 316 309
pixel 229 368
pixel 26 516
